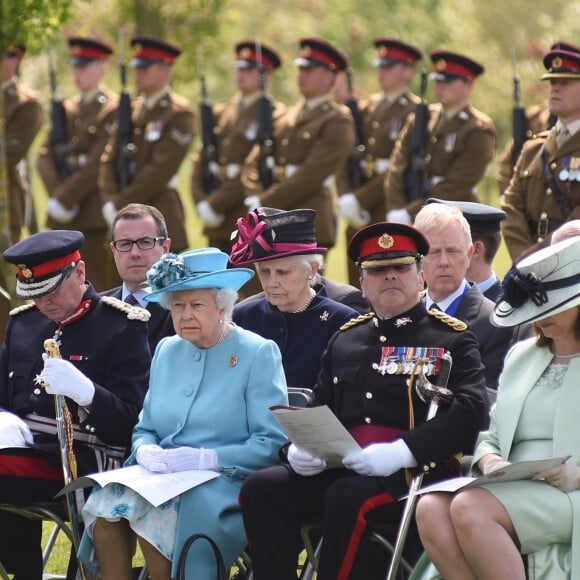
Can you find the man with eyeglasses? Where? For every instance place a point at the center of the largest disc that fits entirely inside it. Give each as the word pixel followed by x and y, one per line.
pixel 138 239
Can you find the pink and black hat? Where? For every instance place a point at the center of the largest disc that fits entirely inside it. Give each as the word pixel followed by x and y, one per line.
pixel 268 234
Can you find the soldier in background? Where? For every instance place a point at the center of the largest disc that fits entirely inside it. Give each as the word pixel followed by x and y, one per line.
pixel 383 115
pixel 461 141
pixel 236 126
pixel 163 131
pixel 544 191
pixel 74 202
pixel 313 140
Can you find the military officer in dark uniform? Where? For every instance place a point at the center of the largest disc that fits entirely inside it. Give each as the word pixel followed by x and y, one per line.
pixel 383 115
pixel 163 131
pixel 103 375
pixel 236 129
pixel 544 191
pixel 313 140
pixel 460 144
pixel 365 380
pixel 74 201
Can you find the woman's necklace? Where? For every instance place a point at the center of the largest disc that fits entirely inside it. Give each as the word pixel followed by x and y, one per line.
pixel 222 335
pixel 302 308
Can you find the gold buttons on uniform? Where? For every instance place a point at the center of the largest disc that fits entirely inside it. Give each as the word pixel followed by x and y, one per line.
pixel 367 420
pixel 383 338
pixel 335 380
pixel 553 165
pixel 369 395
pixel 306 136
pixel 433 139
pixel 92 129
pixel 375 366
pixel 284 141
pixel 549 191
pixel 375 124
pixel 372 140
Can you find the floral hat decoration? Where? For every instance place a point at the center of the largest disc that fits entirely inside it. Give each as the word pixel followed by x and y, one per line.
pixel 202 268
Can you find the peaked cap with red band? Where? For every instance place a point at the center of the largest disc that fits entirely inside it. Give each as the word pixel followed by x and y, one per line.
pixel 268 234
pixel 148 50
pixel 562 64
pixel 83 50
pixel 43 260
pixel 247 55
pixel 391 51
pixel 451 65
pixel 319 52
pixel 387 244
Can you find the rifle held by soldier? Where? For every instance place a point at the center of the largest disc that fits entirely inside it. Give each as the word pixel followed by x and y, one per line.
pixel 415 178
pixel 61 148
pixel 209 159
pixel 357 170
pixel 264 110
pixel 519 120
pixel 124 163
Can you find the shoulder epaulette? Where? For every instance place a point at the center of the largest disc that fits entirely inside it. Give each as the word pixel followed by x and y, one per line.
pixel 450 321
pixel 22 308
pixel 354 321
pixel 132 312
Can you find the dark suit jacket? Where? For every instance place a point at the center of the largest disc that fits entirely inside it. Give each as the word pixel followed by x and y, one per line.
pixel 159 325
pixel 494 291
pixel 343 293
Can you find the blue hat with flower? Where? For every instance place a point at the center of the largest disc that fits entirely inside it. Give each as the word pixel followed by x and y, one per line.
pixel 202 268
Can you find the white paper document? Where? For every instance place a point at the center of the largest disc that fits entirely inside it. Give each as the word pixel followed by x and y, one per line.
pixel 156 488
pixel 318 430
pixel 513 472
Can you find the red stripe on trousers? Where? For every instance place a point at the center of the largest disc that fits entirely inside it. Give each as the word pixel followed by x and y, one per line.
pixel 34 467
pixel 358 530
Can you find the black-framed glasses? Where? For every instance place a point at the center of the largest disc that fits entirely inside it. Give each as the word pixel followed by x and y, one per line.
pixel 142 243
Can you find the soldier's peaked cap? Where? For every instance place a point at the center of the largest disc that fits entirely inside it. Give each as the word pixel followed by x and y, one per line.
pixel 83 50
pixel 43 261
pixel 482 218
pixel 387 244
pixel 562 64
pixel 249 52
pixel 149 49
pixel 449 65
pixel 319 52
pixel 565 45
pixel 392 51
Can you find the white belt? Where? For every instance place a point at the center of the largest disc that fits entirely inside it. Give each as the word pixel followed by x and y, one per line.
pixel 173 183
pixel 233 170
pixel 381 165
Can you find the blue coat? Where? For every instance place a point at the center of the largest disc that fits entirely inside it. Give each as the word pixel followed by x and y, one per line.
pixel 215 398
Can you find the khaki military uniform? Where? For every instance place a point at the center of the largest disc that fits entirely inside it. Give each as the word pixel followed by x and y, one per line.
pixel 310 148
pixel 89 126
pixel 532 207
pixel 162 136
pixel 236 129
pixel 457 154
pixel 538 120
pixel 381 125
pixel 23 119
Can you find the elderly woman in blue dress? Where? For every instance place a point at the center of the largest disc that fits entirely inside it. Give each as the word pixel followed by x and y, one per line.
pixel 207 408
pixel 482 532
pixel 294 312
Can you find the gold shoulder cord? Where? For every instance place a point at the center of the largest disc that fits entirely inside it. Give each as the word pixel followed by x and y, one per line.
pixel 354 321
pixel 450 321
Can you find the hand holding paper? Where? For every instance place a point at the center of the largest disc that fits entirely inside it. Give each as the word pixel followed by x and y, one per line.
pixel 304 463
pixel 380 459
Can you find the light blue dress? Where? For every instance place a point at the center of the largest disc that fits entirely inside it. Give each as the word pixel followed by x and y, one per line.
pixel 213 398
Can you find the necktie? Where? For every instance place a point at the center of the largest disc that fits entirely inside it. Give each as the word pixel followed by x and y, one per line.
pixel 130 299
pixel 435 306
pixel 562 136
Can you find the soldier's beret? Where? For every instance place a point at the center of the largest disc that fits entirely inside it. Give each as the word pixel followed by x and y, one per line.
pixel 319 52
pixel 451 65
pixel 149 49
pixel 248 52
pixel 83 50
pixel 43 260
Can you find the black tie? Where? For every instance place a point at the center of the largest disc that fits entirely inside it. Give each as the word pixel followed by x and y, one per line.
pixel 130 299
pixel 434 306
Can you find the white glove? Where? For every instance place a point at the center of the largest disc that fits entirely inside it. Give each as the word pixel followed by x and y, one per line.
pixel 400 216
pixel 63 378
pixel 14 432
pixel 304 463
pixel 185 458
pixel 109 212
pixel 349 208
pixel 59 213
pixel 494 463
pixel 208 216
pixel 380 459
pixel 153 458
pixel 252 202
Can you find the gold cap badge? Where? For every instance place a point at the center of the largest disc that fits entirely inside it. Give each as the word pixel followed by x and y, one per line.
pixel 386 241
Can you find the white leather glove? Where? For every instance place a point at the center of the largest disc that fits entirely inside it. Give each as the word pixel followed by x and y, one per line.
pixel 349 208
pixel 153 458
pixel 14 432
pixel 494 463
pixel 109 212
pixel 63 378
pixel 400 216
pixel 208 216
pixel 59 213
pixel 304 463
pixel 185 458
pixel 380 459
pixel 252 202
